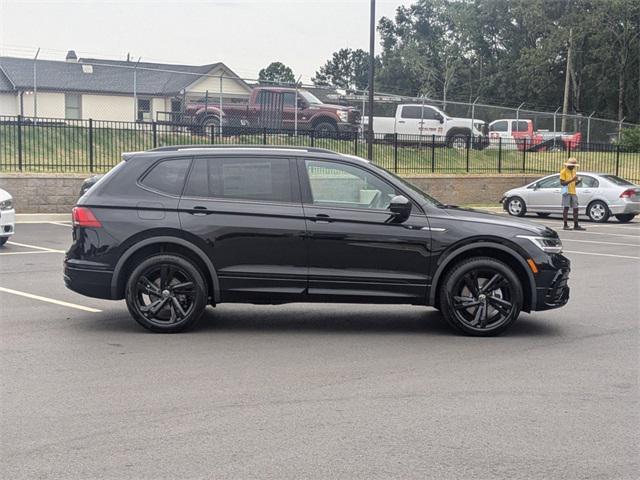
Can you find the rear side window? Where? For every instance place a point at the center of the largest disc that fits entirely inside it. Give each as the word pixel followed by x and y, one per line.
pixel 267 179
pixel 167 176
pixel 588 182
pixel 410 112
pixel 501 126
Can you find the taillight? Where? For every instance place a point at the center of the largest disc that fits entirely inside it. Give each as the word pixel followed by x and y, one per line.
pixel 630 192
pixel 84 217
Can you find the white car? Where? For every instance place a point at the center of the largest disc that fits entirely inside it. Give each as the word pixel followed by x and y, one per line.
pixel 7 216
pixel 600 196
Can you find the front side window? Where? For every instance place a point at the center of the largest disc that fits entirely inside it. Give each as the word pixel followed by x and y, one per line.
pixel 72 106
pixel 500 126
pixel 551 182
pixel 260 179
pixel 144 110
pixel 339 185
pixel 167 176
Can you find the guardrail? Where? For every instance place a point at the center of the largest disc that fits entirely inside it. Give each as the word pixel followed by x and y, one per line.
pixel 59 145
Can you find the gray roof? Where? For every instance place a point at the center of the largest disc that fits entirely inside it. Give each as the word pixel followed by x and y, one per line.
pixel 108 76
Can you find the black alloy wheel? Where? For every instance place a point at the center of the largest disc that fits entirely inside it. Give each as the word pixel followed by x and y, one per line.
pixel 166 293
pixel 481 297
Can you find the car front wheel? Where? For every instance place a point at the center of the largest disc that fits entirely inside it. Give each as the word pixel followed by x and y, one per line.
pixel 3 240
pixel 166 293
pixel 516 207
pixel 481 297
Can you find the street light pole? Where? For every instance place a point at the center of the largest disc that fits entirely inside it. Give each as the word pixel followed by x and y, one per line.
pixel 372 45
pixel 35 84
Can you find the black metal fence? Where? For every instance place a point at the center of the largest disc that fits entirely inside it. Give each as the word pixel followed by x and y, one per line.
pixel 58 145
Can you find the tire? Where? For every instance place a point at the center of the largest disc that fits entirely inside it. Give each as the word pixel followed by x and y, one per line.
pixel 174 285
pixel 208 124
pixel 3 240
pixel 458 141
pixel 543 214
pixel 516 207
pixel 622 218
pixel 325 129
pixel 598 212
pixel 468 308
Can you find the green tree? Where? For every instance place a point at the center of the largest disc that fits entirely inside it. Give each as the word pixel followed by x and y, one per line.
pixel 276 72
pixel 347 69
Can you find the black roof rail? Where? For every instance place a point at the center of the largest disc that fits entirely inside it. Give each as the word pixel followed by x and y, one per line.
pixel 175 148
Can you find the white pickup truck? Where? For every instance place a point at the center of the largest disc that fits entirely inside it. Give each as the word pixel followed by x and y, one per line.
pixel 413 121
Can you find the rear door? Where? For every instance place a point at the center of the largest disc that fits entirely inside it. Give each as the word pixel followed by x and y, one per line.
pixel 586 189
pixel 409 122
pixel 499 133
pixel 247 211
pixel 355 251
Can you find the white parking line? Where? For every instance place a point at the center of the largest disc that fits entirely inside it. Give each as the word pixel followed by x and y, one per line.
pixel 600 233
pixel 35 247
pixel 49 300
pixel 61 224
pixel 602 254
pixel 31 253
pixel 602 243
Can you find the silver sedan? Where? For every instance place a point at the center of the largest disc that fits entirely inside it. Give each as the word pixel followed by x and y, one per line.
pixel 600 196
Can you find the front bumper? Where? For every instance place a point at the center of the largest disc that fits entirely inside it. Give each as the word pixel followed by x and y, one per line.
pixel 346 127
pixel 552 284
pixel 7 222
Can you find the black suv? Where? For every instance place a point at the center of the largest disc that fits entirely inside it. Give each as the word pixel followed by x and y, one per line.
pixel 176 228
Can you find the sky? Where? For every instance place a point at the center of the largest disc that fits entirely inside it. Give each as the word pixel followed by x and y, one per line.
pixel 246 35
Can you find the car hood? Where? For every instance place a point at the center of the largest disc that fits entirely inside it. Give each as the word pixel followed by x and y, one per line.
pixel 480 216
pixel 4 195
pixel 333 107
pixel 467 120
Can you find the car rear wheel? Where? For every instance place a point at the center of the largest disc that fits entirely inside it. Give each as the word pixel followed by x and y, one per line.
pixel 625 217
pixel 481 297
pixel 516 207
pixel 166 293
pixel 543 214
pixel 598 212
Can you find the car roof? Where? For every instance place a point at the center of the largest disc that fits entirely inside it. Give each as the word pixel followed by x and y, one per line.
pixel 213 150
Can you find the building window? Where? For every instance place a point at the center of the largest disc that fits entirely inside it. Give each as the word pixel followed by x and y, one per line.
pixel 72 106
pixel 144 110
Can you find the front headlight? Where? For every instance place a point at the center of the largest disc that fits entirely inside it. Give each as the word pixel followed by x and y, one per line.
pixel 6 205
pixel 546 244
pixel 343 115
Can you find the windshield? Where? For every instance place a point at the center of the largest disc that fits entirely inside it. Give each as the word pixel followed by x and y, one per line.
pixel 310 97
pixel 617 180
pixel 424 196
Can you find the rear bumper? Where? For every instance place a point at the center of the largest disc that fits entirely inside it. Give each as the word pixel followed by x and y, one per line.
pixel 88 281
pixel 626 207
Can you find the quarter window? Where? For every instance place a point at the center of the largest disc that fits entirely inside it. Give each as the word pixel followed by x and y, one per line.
pixel 339 185
pixel 167 176
pixel 266 179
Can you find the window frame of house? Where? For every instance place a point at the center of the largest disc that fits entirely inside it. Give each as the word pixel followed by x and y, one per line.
pixel 139 117
pixel 77 108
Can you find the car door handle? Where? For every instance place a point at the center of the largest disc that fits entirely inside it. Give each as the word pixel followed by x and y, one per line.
pixel 587 191
pixel 401 121
pixel 322 218
pixel 556 190
pixel 200 211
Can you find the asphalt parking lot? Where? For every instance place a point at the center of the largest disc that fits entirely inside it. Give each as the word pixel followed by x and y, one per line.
pixel 319 391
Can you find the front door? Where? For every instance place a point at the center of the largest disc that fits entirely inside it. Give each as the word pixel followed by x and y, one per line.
pixel 356 251
pixel 547 196
pixel 248 213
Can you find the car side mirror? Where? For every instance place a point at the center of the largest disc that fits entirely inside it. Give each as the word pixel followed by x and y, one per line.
pixel 302 104
pixel 400 207
pixel 439 118
pixel 534 186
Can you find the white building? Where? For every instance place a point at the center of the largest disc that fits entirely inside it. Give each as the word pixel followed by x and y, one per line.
pixel 110 90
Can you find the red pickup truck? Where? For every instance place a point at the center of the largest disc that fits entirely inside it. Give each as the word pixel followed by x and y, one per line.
pixel 521 134
pixel 275 108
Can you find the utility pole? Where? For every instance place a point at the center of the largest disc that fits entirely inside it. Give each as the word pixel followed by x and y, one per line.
pixel 565 103
pixel 35 84
pixel 372 45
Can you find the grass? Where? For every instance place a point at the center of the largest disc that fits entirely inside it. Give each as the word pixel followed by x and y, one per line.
pixel 64 148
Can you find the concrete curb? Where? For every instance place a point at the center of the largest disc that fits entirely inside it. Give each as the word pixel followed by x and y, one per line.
pixel 42 217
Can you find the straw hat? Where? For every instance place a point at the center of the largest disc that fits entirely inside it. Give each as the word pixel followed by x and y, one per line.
pixel 571 162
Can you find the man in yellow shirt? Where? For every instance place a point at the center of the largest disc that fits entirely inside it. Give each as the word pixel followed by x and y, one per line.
pixel 568 179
